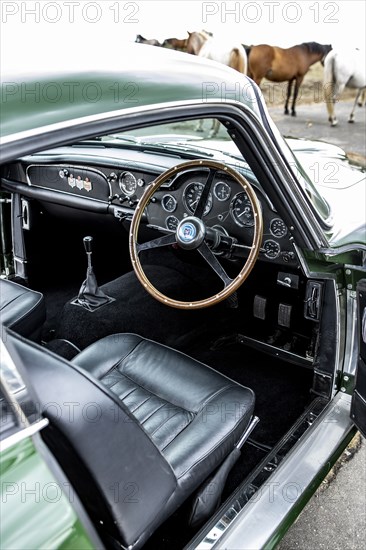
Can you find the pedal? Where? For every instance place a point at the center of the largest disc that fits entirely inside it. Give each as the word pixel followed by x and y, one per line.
pixel 284 315
pixel 259 307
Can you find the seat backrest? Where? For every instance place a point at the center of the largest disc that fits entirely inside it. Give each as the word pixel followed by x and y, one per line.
pixel 121 477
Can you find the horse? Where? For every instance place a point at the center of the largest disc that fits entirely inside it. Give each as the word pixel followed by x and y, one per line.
pixel 181 43
pixel 175 44
pixel 141 40
pixel 204 45
pixel 285 64
pixel 344 68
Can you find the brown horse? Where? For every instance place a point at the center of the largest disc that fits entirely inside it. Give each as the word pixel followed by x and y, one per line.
pixel 289 64
pixel 176 44
pixel 181 43
pixel 141 40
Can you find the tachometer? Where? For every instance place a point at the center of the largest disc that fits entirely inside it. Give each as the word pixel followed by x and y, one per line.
pixel 127 183
pixel 241 210
pixel 191 197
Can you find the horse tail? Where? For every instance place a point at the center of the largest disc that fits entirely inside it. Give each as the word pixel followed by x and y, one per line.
pixel 237 60
pixel 329 84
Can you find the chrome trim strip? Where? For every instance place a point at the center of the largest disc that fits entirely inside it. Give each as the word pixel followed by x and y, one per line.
pixel 242 526
pixel 23 434
pixel 351 351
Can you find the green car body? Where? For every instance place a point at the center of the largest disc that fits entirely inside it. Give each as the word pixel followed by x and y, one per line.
pixel 44 108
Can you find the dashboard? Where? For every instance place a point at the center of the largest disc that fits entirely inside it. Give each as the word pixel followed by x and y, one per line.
pixel 111 181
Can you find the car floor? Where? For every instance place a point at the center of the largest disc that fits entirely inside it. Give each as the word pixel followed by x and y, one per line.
pixel 282 389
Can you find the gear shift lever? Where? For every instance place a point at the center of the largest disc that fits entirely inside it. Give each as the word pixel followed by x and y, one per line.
pixel 90 296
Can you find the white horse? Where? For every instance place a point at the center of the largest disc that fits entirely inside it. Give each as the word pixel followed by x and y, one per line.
pixel 231 54
pixel 345 68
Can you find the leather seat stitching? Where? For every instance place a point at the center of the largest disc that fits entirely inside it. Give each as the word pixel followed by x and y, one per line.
pixel 152 414
pixel 167 420
pixel 217 392
pixel 140 405
pixel 115 365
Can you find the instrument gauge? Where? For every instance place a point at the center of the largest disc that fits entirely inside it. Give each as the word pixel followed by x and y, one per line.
pixel 127 183
pixel 271 249
pixel 278 228
pixel 191 197
pixel 241 210
pixel 168 203
pixel 171 223
pixel 222 191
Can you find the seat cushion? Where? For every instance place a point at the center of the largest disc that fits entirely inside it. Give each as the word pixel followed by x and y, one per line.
pixel 21 309
pixel 193 414
pixel 132 470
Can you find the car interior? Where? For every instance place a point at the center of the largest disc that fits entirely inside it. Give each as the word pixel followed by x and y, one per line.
pixel 203 361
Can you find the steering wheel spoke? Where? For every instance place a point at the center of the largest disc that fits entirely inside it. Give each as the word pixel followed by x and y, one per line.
pixel 214 263
pixel 200 208
pixel 166 240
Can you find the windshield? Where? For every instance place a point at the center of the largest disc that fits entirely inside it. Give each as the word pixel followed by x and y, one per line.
pixel 209 138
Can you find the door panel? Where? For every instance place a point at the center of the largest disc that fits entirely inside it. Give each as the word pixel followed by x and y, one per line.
pixel 358 408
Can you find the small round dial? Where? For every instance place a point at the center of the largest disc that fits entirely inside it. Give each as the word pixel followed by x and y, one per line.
pixel 171 223
pixel 222 191
pixel 168 203
pixel 271 249
pixel 192 195
pixel 127 183
pixel 278 228
pixel 241 210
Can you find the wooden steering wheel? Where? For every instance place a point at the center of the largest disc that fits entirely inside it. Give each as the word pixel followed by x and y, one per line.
pixel 191 234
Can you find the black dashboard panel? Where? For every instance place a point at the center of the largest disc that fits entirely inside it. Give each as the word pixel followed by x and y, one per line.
pixel 66 178
pixel 116 178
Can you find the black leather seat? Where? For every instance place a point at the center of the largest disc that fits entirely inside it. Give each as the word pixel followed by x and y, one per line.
pixel 21 309
pixel 137 427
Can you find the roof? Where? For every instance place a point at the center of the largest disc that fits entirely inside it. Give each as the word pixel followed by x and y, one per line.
pixel 101 76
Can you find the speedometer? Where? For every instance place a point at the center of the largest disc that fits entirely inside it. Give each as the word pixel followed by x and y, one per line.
pixel 241 210
pixel 127 183
pixel 191 197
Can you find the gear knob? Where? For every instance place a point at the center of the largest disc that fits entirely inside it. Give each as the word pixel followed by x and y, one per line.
pixel 88 244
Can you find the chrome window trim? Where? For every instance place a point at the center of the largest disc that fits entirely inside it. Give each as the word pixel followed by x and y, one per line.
pixel 23 434
pixel 351 350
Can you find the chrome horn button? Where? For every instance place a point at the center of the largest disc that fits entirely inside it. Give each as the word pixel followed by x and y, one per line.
pixel 190 233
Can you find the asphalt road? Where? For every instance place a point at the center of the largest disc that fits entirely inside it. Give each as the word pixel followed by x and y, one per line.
pixel 335 517
pixel 311 122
